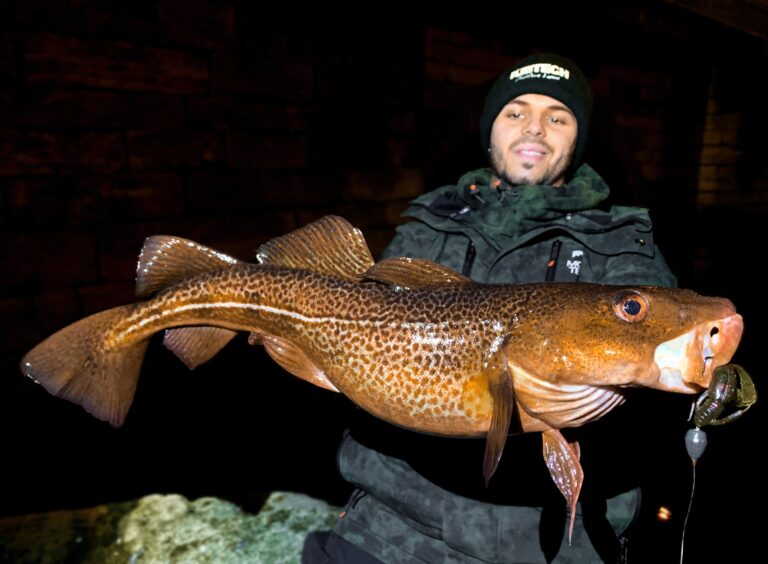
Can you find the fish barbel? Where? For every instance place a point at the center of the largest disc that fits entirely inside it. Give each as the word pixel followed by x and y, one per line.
pixel 410 341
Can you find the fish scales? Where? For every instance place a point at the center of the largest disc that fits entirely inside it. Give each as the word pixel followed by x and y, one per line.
pixel 368 335
pixel 388 351
pixel 402 358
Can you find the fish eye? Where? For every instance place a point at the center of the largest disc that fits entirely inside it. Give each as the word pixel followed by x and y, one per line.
pixel 630 305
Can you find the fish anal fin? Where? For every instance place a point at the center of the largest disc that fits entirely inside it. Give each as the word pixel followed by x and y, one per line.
pixel 329 245
pixel 166 260
pixel 562 459
pixel 77 364
pixel 196 345
pixel 292 359
pixel 413 273
pixel 500 387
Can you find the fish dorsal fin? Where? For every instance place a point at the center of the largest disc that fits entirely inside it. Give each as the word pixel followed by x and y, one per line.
pixel 414 273
pixel 292 359
pixel 166 260
pixel 329 245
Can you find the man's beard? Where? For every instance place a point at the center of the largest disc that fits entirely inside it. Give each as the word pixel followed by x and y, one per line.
pixel 554 172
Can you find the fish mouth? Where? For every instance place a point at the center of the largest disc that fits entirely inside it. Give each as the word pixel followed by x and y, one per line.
pixel 686 363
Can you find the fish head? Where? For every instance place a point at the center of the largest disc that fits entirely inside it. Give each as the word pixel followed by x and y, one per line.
pixel 663 338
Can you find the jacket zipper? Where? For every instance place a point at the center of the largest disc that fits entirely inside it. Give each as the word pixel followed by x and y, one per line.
pixel 469 258
pixel 552 263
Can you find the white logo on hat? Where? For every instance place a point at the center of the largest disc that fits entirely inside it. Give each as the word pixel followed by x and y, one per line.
pixel 540 70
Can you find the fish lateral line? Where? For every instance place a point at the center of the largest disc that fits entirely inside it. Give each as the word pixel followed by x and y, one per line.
pixel 165 313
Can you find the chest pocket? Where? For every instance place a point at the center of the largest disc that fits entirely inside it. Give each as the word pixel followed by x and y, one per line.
pixel 572 262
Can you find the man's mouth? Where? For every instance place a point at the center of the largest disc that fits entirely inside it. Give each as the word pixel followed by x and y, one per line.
pixel 531 152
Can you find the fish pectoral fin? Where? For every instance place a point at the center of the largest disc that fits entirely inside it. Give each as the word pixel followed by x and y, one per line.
pixel 329 245
pixel 502 393
pixel 196 345
pixel 165 261
pixel 413 273
pixel 562 459
pixel 292 359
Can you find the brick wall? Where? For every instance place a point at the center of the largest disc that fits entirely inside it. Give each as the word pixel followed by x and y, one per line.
pixel 731 171
pixel 230 123
pixel 748 16
pixel 222 123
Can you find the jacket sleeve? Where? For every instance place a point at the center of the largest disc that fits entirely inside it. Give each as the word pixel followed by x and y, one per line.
pixel 414 239
pixel 632 268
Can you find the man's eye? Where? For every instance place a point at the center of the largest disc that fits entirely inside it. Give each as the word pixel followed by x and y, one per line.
pixel 557 119
pixel 515 115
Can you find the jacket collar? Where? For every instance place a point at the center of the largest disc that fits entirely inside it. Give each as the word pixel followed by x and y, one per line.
pixel 502 212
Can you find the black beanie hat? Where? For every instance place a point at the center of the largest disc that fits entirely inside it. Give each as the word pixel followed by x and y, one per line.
pixel 548 74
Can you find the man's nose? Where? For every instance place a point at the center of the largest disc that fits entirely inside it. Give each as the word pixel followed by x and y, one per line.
pixel 534 126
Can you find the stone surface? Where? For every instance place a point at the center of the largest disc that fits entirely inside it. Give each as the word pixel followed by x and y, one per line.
pixel 168 528
pixel 267 151
pixel 121 65
pixel 35 153
pixel 85 535
pixel 383 185
pixel 173 149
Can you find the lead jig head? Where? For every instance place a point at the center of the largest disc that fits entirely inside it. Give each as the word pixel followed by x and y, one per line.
pixel 695 443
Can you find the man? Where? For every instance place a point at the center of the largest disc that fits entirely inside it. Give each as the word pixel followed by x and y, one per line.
pixel 530 217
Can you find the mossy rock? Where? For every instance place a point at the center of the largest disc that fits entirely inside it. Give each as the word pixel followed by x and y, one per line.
pixel 168 528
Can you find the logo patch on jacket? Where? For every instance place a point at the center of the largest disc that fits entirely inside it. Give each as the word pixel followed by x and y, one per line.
pixel 574 263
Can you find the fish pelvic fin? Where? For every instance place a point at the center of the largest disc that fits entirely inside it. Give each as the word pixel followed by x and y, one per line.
pixel 292 359
pixel 502 393
pixel 562 459
pixel 77 365
pixel 166 260
pixel 196 345
pixel 329 245
pixel 413 273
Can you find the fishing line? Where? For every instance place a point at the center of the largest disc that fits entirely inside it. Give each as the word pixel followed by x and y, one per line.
pixel 688 514
pixel 695 444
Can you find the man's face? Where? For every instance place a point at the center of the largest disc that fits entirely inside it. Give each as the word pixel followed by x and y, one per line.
pixel 532 140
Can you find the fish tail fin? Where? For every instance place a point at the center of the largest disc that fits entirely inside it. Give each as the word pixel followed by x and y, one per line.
pixel 77 364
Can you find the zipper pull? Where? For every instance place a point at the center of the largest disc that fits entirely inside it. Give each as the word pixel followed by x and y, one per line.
pixel 552 263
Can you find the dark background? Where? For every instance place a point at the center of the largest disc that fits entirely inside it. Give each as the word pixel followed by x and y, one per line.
pixel 231 124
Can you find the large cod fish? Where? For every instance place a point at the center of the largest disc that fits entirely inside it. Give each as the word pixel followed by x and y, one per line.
pixel 410 341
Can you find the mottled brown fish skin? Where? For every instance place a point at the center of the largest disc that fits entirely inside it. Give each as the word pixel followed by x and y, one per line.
pixel 415 357
pixel 383 347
